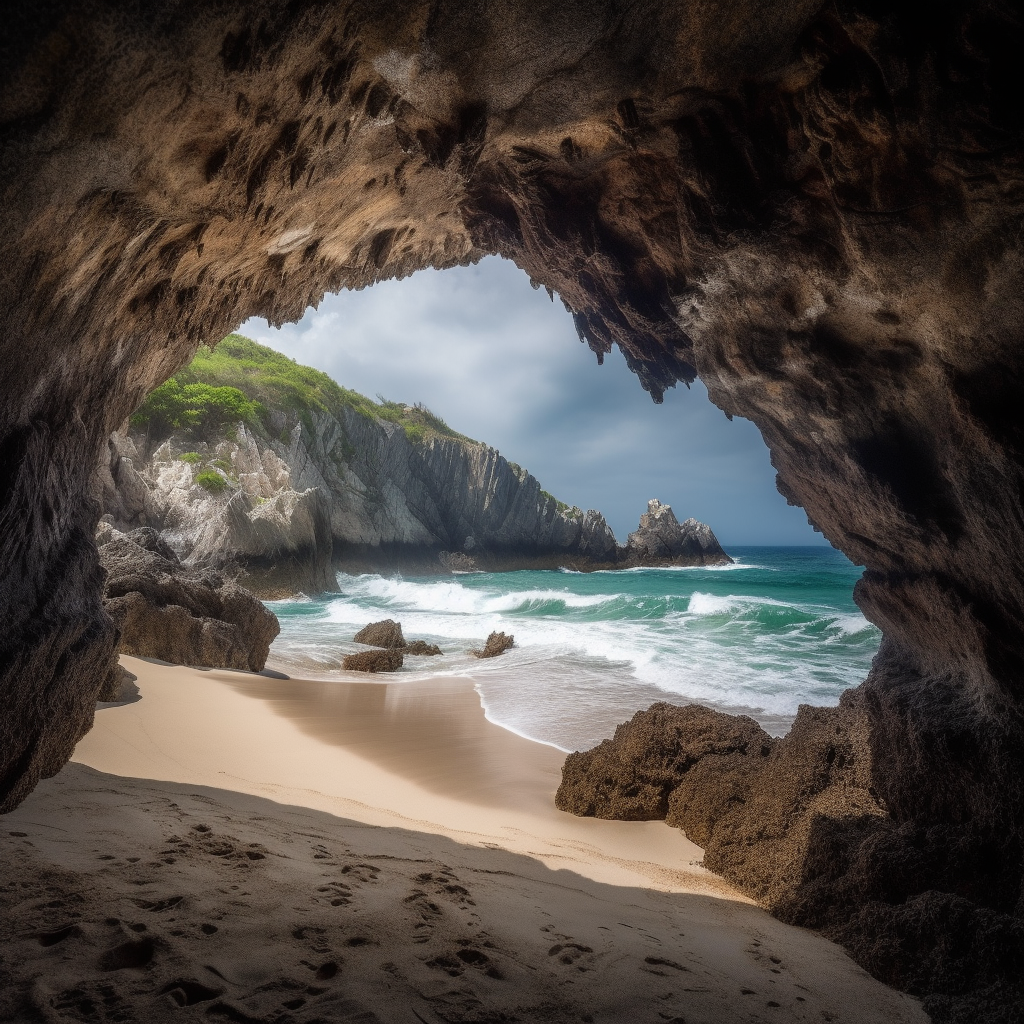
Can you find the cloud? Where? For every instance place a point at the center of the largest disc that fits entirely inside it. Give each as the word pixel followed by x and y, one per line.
pixel 502 363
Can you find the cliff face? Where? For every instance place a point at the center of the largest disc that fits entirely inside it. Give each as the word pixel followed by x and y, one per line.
pixel 815 206
pixel 345 492
pixel 438 494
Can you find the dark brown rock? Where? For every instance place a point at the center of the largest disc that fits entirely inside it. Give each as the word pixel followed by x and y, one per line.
pixel 497 643
pixel 379 660
pixel 386 633
pixel 184 616
pixel 631 776
pixel 120 686
pixel 421 647
pixel 757 817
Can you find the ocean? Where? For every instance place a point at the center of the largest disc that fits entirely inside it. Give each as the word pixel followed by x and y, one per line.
pixel 774 630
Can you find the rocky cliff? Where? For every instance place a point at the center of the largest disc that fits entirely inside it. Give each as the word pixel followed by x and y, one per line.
pixel 294 493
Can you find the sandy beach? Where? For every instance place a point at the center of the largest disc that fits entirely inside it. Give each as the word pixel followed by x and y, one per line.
pixel 255 848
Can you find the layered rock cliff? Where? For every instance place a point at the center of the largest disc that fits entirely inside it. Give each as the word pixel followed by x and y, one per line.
pixel 816 206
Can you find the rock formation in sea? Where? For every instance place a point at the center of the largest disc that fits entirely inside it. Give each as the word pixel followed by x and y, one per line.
pixel 496 643
pixel 377 660
pixel 661 539
pixel 815 207
pixel 187 616
pixel 388 634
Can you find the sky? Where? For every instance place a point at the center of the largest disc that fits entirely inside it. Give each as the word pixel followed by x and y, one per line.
pixel 501 363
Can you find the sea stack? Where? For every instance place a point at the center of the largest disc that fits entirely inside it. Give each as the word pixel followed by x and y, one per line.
pixel 661 539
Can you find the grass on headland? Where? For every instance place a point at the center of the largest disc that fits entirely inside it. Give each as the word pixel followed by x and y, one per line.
pixel 243 381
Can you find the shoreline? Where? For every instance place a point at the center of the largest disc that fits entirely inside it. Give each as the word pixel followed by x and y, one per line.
pixel 270 850
pixel 417 754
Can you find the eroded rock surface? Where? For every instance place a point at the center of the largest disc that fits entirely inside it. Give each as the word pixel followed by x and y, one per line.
pixel 386 633
pixel 186 616
pixel 632 776
pixel 496 643
pixel 373 661
pixel 661 539
pixel 816 206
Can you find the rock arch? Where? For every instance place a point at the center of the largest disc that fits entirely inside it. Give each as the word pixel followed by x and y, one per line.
pixel 815 207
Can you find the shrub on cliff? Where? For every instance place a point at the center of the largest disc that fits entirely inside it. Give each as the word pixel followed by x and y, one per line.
pixel 261 381
pixel 196 407
pixel 211 481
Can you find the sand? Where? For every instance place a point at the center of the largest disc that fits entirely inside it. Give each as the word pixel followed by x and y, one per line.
pixel 249 848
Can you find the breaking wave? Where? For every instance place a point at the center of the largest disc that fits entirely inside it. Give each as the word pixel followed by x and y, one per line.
pixel 593 648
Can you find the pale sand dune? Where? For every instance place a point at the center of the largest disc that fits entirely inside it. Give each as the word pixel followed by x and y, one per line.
pixel 225 891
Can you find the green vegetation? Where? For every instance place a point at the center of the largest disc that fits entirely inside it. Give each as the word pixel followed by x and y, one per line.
pixel 193 406
pixel 560 505
pixel 211 480
pixel 242 381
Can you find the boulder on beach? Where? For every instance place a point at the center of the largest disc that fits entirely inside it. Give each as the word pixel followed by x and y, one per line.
pixel 632 776
pixel 183 615
pixel 377 660
pixel 386 633
pixel 497 643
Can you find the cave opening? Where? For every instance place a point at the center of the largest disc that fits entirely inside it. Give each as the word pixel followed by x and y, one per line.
pixel 816 207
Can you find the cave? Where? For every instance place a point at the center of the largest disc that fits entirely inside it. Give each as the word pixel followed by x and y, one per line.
pixel 815 208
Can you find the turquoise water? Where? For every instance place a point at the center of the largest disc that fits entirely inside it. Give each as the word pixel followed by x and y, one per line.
pixel 775 630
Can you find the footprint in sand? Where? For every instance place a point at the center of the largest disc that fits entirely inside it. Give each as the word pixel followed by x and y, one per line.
pixel 570 953
pixel 338 894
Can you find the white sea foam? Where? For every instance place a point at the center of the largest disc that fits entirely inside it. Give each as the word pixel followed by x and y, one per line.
pixel 591 651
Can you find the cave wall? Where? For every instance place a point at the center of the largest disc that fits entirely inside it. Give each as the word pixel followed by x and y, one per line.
pixel 815 207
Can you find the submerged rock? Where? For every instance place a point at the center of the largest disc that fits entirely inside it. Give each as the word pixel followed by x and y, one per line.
pixel 421 647
pixel 661 539
pixel 386 633
pixel 186 616
pixel 378 660
pixel 497 643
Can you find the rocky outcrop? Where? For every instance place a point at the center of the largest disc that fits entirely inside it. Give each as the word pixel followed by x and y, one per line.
pixel 186 616
pixel 359 487
pixel 632 776
pixel 229 504
pixel 344 490
pixel 771 814
pixel 388 634
pixel 496 643
pixel 373 661
pixel 815 206
pixel 661 539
